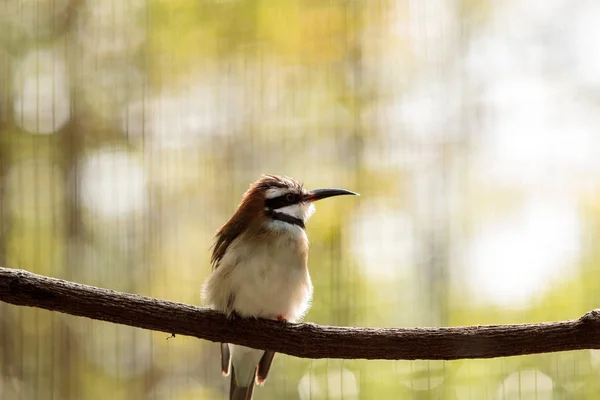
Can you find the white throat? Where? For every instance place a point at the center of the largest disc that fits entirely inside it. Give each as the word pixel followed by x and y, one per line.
pixel 301 211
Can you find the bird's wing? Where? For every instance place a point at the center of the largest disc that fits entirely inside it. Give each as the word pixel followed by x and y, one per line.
pixel 225 359
pixel 264 365
pixel 223 239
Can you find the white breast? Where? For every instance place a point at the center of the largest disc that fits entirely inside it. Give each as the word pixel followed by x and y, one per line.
pixel 263 278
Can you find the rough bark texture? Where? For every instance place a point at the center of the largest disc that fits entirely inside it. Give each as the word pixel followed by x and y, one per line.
pixel 301 340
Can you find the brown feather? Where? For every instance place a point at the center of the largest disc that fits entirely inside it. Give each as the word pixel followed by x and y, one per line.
pixel 264 366
pixel 225 359
pixel 250 210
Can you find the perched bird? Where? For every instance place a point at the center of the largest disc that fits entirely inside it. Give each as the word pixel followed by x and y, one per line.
pixel 260 269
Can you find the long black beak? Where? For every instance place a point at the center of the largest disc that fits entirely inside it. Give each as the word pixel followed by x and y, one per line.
pixel 319 194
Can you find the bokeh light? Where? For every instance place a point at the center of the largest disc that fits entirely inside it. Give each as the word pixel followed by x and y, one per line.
pixel 42 97
pixel 129 130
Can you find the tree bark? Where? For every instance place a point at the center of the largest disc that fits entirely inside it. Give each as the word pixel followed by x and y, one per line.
pixel 306 340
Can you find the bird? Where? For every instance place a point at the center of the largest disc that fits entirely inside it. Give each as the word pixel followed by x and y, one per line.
pixel 260 269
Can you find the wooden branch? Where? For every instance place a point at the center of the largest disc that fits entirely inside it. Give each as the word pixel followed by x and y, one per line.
pixel 301 340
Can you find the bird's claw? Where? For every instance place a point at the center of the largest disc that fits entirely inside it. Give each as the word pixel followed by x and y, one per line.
pixel 233 316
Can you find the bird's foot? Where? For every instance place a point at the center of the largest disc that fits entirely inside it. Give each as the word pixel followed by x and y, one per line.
pixel 233 316
pixel 281 319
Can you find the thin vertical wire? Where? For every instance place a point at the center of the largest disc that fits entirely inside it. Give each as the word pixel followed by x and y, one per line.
pixel 6 333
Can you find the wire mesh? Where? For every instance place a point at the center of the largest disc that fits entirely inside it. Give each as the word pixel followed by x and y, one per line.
pixel 129 130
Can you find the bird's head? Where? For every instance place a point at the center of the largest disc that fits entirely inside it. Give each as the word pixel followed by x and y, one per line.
pixel 272 202
pixel 286 202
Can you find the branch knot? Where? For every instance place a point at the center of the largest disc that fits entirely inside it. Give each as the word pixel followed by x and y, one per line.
pixel 591 317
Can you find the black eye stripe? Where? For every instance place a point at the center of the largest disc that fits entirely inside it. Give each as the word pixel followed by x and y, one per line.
pixel 282 201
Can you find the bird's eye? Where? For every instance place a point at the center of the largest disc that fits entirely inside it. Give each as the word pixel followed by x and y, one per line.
pixel 290 197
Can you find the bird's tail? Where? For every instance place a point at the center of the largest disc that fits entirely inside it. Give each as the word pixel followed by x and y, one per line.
pixel 238 392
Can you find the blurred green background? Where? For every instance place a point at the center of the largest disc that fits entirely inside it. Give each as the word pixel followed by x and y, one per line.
pixel 130 128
